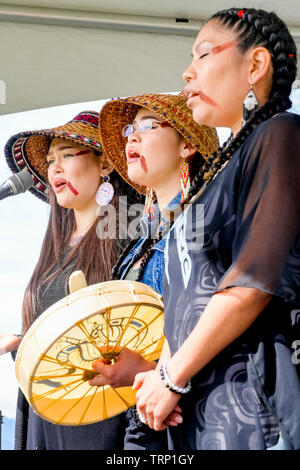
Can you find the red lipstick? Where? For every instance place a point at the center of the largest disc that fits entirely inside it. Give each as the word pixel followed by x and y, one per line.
pixel 131 154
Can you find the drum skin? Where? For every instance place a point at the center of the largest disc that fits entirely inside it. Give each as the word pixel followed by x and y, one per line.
pixel 54 360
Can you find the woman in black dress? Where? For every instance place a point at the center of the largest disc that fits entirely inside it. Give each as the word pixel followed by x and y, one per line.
pixel 232 260
pixel 68 168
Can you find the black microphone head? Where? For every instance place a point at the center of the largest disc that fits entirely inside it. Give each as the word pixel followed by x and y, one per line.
pixel 21 181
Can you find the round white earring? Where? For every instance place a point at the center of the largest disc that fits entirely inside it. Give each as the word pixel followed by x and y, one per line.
pixel 105 192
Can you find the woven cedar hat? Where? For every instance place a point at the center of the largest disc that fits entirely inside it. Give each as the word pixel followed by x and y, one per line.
pixel 117 113
pixel 28 150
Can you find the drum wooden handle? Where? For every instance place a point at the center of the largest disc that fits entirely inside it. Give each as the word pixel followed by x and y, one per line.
pixel 77 281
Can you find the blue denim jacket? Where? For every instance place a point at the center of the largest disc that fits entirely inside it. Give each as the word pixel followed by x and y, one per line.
pixel 154 270
pixel 139 436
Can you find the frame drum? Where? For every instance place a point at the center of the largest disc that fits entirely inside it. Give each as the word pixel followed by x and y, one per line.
pixel 54 359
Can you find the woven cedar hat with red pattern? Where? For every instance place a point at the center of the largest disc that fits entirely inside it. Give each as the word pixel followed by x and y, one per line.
pixel 28 150
pixel 117 113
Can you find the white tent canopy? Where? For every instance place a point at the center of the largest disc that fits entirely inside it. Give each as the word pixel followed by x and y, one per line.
pixel 66 51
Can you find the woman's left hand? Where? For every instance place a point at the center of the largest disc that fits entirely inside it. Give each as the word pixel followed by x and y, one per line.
pixel 154 402
pixel 9 343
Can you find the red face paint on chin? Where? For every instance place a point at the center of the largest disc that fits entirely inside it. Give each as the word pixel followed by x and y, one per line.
pixel 74 191
pixel 143 163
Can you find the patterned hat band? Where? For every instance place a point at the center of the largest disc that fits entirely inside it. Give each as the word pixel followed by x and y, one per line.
pixel 84 140
pixel 87 118
pixel 20 163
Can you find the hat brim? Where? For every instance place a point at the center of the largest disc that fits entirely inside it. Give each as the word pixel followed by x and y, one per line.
pixel 17 160
pixel 117 113
pixel 28 150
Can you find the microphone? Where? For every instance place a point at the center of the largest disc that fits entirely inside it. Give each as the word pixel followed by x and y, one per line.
pixel 16 184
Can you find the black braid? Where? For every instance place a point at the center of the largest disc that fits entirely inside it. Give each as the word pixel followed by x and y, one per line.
pixel 196 173
pixel 256 27
pixel 127 249
pixel 148 254
pixel 148 251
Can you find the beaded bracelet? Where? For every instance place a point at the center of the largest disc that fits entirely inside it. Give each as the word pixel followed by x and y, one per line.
pixel 169 384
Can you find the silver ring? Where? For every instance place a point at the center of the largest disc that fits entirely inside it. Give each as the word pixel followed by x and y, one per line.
pixel 142 419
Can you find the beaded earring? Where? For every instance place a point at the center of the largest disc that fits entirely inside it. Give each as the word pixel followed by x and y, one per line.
pixel 148 208
pixel 184 181
pixel 250 105
pixel 105 192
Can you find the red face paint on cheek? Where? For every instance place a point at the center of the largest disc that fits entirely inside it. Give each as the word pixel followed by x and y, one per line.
pixel 74 191
pixel 215 50
pixel 82 152
pixel 143 163
pixel 206 99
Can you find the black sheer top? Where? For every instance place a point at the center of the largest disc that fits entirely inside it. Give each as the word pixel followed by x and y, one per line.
pixel 243 230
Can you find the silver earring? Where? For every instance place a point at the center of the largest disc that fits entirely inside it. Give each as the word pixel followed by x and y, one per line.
pixel 105 192
pixel 250 105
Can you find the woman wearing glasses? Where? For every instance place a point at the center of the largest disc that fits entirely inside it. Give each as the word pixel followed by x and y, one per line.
pixel 150 140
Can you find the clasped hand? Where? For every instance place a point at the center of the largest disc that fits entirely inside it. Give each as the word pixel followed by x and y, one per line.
pixel 156 403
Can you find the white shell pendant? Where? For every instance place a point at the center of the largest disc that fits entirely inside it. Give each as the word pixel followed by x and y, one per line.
pixel 105 193
pixel 250 105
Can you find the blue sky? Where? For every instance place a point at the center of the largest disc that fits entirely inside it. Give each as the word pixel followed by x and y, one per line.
pixel 23 223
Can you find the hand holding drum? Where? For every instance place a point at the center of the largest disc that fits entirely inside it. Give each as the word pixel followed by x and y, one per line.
pixel 54 363
pixel 9 343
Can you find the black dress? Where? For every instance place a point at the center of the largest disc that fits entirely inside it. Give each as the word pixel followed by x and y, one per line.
pixel 34 433
pixel 243 230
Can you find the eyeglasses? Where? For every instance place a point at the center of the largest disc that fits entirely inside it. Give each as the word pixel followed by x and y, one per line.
pixel 143 126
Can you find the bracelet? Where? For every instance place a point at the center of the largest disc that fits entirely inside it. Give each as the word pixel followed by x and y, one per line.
pixel 169 384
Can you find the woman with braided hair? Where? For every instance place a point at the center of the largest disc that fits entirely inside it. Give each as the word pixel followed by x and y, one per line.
pixel 232 296
pixel 149 140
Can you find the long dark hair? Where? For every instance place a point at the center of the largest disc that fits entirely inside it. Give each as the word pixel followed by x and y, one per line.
pixel 256 28
pixel 94 256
